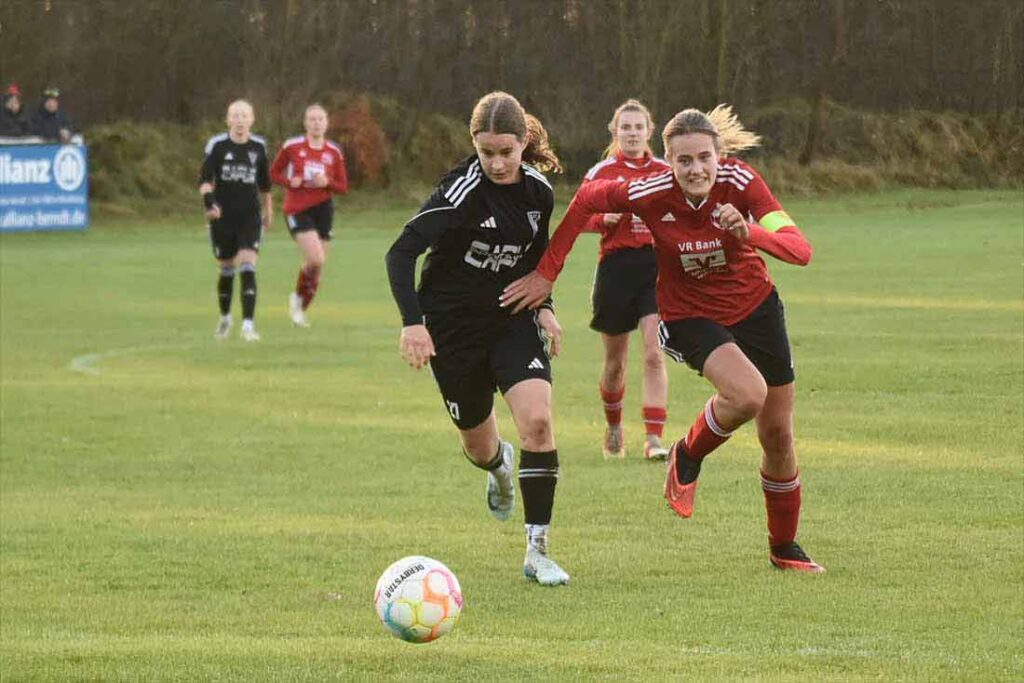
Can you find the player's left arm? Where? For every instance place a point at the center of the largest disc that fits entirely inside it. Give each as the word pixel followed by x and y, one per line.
pixel 339 177
pixel 264 184
pixel 772 230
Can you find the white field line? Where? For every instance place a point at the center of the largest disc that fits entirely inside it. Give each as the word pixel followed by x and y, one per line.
pixel 86 363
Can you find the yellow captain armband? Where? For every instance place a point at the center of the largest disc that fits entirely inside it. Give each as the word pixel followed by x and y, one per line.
pixel 775 220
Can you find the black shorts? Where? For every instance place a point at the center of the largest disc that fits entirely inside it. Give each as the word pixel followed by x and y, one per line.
pixel 229 234
pixel 761 336
pixel 319 218
pixel 624 290
pixel 473 360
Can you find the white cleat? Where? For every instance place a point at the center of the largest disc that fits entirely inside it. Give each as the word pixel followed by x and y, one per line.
pixel 298 315
pixel 501 488
pixel 542 569
pixel 653 449
pixel 613 447
pixel 223 327
pixel 249 332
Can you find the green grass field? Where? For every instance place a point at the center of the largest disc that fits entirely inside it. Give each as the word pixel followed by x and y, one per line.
pixel 177 509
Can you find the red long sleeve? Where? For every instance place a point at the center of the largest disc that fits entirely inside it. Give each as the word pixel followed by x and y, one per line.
pixel 278 167
pixel 786 244
pixel 339 180
pixel 595 197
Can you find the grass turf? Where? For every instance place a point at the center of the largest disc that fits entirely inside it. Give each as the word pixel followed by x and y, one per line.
pixel 172 508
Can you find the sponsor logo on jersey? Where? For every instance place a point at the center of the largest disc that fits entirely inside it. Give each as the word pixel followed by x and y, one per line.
pixel 534 218
pixel 229 157
pixel 668 218
pixel 535 364
pixel 238 173
pixel 703 264
pixel 489 223
pixel 493 257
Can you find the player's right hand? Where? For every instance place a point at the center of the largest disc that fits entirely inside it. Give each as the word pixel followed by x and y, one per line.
pixel 612 219
pixel 295 182
pixel 416 346
pixel 213 213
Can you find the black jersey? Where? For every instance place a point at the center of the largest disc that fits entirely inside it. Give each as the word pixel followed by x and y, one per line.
pixel 239 172
pixel 481 237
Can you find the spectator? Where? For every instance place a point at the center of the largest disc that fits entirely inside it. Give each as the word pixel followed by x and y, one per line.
pixel 12 115
pixel 49 121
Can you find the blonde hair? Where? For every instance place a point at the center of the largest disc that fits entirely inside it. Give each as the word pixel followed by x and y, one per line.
pixel 629 105
pixel 242 103
pixel 314 105
pixel 727 133
pixel 499 113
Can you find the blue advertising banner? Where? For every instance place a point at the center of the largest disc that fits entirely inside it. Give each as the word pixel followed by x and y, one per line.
pixel 44 187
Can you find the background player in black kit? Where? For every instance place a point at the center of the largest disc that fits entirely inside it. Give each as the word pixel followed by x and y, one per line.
pixel 486 224
pixel 235 172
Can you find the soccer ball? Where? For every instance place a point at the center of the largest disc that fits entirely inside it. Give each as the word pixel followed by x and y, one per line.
pixel 418 599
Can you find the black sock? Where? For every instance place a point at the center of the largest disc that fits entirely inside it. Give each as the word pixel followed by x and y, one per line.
pixel 248 277
pixel 225 283
pixel 538 475
pixel 687 469
pixel 494 464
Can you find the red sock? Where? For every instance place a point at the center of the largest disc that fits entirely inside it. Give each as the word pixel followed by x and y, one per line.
pixel 613 405
pixel 654 420
pixel 705 434
pixel 307 284
pixel 782 501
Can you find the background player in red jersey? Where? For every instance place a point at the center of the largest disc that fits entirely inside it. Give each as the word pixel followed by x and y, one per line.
pixel 311 168
pixel 721 313
pixel 623 295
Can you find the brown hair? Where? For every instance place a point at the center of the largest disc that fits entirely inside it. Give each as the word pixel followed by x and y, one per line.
pixel 726 131
pixel 500 113
pixel 613 125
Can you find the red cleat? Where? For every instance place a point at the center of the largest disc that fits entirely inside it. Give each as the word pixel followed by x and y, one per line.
pixel 791 556
pixel 679 496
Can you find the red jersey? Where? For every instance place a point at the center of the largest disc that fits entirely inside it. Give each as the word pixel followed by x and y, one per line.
pixel 630 232
pixel 298 158
pixel 703 271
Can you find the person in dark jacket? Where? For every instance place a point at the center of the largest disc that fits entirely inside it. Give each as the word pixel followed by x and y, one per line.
pixel 50 121
pixel 12 115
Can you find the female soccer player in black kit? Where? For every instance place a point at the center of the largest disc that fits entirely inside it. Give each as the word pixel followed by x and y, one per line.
pixel 235 172
pixel 486 225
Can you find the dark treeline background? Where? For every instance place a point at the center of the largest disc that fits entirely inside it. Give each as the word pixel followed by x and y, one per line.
pixel 569 61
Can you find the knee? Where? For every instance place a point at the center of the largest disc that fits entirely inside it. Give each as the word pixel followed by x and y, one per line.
pixel 314 264
pixel 654 360
pixel 535 430
pixel 614 371
pixel 749 398
pixel 776 438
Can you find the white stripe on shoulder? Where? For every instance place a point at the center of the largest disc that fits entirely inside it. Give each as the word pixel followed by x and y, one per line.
pixel 649 180
pixel 534 173
pixel 652 189
pixel 424 213
pixel 464 184
pixel 214 140
pixel 297 140
pixel 260 139
pixel 592 173
pixel 739 170
pixel 336 147
pixel 732 181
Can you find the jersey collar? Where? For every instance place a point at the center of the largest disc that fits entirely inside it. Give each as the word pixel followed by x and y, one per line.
pixel 643 162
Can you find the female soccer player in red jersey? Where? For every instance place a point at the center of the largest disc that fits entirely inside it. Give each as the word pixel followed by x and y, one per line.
pixel 485 225
pixel 720 311
pixel 623 295
pixel 311 168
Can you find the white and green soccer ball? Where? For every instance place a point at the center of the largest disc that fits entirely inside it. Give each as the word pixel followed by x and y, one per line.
pixel 418 599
